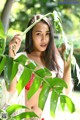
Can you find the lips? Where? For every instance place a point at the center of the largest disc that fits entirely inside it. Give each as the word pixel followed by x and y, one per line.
pixel 43 45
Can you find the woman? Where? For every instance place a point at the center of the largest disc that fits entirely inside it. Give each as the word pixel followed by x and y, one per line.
pixel 40 47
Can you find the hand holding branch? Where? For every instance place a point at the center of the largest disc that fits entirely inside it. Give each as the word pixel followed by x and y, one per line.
pixel 14 45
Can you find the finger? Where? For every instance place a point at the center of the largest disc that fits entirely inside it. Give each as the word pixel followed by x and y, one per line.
pixel 12 46
pixel 17 36
pixel 16 41
pixel 13 49
pixel 63 47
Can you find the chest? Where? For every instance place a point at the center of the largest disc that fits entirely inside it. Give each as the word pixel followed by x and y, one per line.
pixel 37 60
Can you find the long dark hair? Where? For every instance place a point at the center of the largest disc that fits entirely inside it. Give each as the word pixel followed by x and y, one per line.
pixel 49 56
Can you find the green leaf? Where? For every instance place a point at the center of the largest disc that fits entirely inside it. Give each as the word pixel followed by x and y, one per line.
pixel 8 71
pixel 2 63
pixel 66 100
pixel 40 72
pixel 62 102
pixel 53 103
pixel 14 70
pixel 43 95
pixel 25 77
pixel 22 59
pixel 2 34
pixel 9 67
pixel 58 89
pixel 32 65
pixel 43 72
pixel 48 72
pixel 56 82
pixel 59 82
pixel 57 21
pixel 25 115
pixel 35 86
pixel 11 109
pixel 49 81
pixel 2 39
pixel 2 45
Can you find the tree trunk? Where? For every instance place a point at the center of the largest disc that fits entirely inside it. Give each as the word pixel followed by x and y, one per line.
pixel 6 13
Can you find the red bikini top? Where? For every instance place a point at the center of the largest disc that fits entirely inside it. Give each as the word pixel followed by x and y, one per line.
pixel 28 85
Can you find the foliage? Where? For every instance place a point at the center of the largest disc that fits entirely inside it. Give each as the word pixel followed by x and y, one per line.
pixel 42 76
pixel 2 39
pixel 10 110
pixel 26 9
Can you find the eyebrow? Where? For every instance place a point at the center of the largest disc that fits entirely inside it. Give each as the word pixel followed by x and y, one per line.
pixel 41 31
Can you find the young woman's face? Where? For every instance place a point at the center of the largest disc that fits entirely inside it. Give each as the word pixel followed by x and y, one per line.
pixel 40 36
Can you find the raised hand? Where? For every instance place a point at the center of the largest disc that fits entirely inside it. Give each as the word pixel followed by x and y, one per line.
pixel 14 45
pixel 67 69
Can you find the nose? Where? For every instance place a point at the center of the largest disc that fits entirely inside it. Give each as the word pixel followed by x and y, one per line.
pixel 43 38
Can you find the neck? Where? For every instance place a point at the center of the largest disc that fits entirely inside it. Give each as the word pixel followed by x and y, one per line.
pixel 36 54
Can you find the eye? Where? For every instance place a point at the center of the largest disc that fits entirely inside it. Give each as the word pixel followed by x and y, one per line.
pixel 38 33
pixel 48 33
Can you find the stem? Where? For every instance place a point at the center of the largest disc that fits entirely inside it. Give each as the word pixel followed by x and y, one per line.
pixel 34 24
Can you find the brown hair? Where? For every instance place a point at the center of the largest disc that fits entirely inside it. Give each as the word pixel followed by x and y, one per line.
pixel 49 55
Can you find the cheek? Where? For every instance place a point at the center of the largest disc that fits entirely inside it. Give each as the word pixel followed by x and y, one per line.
pixel 48 39
pixel 35 42
pixel 38 38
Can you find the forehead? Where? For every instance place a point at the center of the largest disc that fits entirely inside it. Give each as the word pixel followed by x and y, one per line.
pixel 41 26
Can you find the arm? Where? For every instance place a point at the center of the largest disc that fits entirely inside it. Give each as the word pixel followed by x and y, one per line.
pixel 67 70
pixel 64 71
pixel 14 46
pixel 67 75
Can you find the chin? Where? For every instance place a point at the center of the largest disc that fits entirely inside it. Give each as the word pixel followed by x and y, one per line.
pixel 43 49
